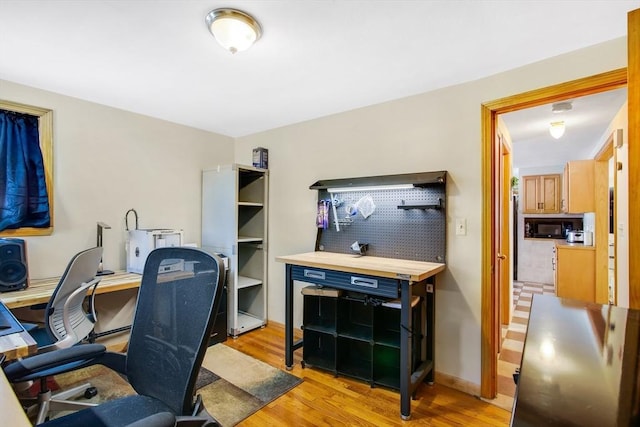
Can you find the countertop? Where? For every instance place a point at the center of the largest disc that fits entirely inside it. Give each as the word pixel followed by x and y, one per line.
pixel 565 244
pixel 580 365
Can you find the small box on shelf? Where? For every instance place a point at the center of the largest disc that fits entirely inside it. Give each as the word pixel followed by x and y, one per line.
pixel 260 158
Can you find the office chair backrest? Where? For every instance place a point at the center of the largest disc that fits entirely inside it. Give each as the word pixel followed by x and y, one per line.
pixel 178 299
pixel 80 271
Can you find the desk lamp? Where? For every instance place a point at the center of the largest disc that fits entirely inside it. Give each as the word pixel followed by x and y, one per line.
pixel 101 226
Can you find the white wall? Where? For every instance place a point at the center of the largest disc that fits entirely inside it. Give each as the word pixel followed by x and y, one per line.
pixel 432 131
pixel 540 170
pixel 107 161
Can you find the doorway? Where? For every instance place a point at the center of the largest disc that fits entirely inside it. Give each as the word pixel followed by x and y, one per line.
pixel 491 234
pixel 539 158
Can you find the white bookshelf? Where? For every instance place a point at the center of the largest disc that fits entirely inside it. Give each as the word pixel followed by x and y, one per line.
pixel 234 223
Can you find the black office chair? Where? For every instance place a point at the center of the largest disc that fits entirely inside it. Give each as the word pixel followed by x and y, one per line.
pixel 66 324
pixel 178 299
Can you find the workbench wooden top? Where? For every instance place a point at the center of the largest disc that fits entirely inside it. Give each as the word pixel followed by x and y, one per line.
pixel 414 271
pixel 39 290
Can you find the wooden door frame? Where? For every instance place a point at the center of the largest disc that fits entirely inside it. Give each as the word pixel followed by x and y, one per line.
pixel 606 154
pixel 633 162
pixel 489 111
pixel 506 297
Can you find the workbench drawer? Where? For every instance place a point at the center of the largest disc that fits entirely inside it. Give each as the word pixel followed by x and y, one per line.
pixel 365 284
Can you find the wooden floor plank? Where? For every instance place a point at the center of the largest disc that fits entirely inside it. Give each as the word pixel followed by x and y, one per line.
pixel 325 400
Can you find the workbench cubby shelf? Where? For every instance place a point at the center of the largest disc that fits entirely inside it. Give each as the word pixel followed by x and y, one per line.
pixel 356 338
pixel 234 223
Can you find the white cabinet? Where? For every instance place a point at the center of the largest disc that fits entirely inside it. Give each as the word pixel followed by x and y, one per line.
pixel 234 223
pixel 536 260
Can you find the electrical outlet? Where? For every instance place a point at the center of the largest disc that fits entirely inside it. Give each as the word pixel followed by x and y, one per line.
pixel 461 227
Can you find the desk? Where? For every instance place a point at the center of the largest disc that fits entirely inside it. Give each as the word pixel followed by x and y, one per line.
pixel 13 345
pixel 15 342
pixel 40 290
pixel 403 277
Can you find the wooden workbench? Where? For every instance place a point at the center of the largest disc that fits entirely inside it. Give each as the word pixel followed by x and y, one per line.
pixel 385 277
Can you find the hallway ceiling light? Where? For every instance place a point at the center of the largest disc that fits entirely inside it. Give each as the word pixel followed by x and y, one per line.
pixel 233 29
pixel 556 129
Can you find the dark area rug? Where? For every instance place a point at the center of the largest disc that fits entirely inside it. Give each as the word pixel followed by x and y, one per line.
pixel 232 385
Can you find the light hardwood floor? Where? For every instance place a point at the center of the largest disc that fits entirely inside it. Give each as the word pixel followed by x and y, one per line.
pixel 324 400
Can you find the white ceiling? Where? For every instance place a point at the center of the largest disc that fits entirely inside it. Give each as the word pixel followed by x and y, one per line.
pixel 586 124
pixel 315 58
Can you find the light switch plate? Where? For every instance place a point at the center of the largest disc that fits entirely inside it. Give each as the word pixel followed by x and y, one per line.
pixel 461 227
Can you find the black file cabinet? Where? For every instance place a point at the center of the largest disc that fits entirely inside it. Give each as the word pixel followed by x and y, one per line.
pixel 219 331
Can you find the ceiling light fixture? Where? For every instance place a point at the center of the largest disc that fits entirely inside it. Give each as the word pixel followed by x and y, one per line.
pixel 561 107
pixel 556 129
pixel 233 29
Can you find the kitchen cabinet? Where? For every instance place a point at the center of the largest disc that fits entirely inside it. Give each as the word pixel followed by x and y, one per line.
pixel 234 223
pixel 541 193
pixel 576 271
pixel 578 187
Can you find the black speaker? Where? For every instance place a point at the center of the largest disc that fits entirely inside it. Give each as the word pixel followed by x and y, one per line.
pixel 14 274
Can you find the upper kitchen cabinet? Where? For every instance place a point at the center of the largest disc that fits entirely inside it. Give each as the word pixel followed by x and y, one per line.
pixel 541 193
pixel 578 187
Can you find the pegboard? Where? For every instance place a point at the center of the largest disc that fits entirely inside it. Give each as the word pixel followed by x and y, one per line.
pixel 416 234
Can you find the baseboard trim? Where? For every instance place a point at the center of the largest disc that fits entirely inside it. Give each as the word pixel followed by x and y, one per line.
pixel 457 383
pixel 440 377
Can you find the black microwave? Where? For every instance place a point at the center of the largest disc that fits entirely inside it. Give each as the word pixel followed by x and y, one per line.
pixel 550 228
pixel 549 231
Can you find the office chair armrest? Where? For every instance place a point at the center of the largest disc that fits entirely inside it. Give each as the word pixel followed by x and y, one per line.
pixel 92 302
pixel 70 339
pixel 31 366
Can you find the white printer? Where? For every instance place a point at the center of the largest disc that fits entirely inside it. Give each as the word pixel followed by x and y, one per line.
pixel 141 242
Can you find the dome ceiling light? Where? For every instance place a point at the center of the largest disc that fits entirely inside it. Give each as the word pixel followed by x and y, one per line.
pixel 556 129
pixel 233 29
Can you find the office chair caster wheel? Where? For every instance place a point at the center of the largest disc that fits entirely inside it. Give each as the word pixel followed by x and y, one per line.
pixel 90 392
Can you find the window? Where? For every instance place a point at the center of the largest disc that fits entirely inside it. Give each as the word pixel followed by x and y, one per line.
pixel 45 125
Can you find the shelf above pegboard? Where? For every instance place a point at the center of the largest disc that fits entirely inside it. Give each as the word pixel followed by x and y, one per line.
pixel 422 179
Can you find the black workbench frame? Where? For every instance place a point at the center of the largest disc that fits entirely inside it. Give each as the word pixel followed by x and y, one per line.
pixel 409 379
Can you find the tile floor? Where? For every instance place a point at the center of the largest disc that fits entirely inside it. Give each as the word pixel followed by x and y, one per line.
pixel 513 339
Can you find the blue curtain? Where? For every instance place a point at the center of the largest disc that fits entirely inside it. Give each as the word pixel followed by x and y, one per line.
pixel 23 192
